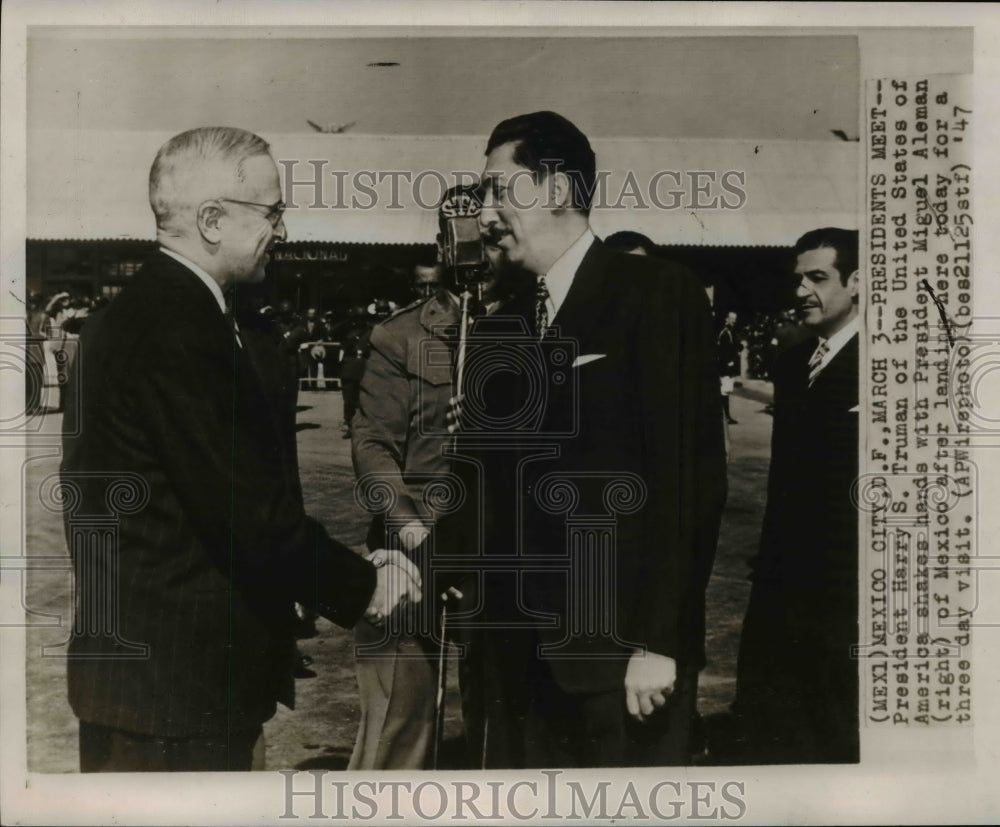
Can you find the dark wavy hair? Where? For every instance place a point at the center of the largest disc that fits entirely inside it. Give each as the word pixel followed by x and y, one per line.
pixel 845 242
pixel 546 142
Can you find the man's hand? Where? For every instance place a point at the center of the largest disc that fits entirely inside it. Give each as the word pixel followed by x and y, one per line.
pixel 413 534
pixel 397 582
pixel 649 679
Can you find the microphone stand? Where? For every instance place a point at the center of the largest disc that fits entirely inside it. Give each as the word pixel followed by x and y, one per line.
pixel 463 337
pixel 441 685
pixel 442 657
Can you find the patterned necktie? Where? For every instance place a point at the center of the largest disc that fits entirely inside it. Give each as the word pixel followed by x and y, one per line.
pixel 541 307
pixel 817 359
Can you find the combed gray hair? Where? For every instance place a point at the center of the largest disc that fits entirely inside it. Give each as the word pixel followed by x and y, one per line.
pixel 182 166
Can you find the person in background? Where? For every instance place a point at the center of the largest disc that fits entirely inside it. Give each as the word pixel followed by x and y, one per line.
pixel 288 326
pixel 331 361
pixel 629 241
pixel 400 437
pixel 34 352
pixel 353 335
pixel 729 350
pixel 312 353
pixel 56 313
pixel 426 281
pixel 797 681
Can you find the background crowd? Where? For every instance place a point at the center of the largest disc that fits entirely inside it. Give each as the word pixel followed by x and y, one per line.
pixel 328 349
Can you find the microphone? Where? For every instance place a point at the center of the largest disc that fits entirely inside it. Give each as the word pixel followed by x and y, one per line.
pixel 462 245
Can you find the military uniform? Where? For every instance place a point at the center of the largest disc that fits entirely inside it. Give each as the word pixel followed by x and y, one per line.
pixel 399 437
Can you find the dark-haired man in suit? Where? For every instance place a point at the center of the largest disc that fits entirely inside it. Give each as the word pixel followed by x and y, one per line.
pixel 184 637
pixel 628 419
pixel 797 687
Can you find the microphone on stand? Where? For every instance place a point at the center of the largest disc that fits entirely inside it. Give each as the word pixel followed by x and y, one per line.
pixel 464 258
pixel 463 250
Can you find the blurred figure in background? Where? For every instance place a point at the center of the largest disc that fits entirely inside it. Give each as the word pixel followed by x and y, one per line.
pixel 312 354
pixel 56 313
pixel 629 241
pixel 426 281
pixel 34 347
pixel 729 362
pixel 353 334
pixel 287 325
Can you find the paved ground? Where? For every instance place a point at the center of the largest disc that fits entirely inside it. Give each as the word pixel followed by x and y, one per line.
pixel 320 732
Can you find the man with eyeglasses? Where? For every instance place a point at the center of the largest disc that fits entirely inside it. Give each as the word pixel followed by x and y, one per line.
pixel 184 635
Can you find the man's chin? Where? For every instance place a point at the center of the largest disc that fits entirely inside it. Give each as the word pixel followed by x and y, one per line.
pixel 255 276
pixel 810 317
pixel 510 254
pixel 260 271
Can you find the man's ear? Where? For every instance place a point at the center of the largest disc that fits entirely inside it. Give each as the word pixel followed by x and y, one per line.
pixel 854 284
pixel 208 218
pixel 560 191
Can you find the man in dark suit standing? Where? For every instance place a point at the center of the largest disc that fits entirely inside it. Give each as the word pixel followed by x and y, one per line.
pixel 183 640
pixel 614 497
pixel 797 686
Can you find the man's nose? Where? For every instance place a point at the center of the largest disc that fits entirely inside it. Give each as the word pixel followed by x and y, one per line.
pixel 487 213
pixel 280 231
pixel 487 217
pixel 802 289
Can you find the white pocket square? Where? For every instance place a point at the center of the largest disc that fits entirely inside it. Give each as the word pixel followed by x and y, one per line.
pixel 589 357
pixel 855 409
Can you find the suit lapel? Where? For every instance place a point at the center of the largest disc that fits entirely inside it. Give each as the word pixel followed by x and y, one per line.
pixel 839 379
pixel 201 306
pixel 206 319
pixel 587 297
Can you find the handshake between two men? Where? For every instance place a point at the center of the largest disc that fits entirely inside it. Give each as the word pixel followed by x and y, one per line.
pixel 398 583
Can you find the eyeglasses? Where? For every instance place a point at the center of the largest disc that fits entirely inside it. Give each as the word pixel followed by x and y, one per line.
pixel 274 213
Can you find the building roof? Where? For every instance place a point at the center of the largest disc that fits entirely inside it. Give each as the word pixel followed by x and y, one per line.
pixel 90 184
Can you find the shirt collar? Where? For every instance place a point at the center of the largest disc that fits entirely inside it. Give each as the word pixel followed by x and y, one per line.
pixel 209 282
pixel 837 341
pixel 559 277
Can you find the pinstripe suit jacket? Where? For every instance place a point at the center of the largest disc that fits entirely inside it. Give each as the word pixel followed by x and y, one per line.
pixel 206 572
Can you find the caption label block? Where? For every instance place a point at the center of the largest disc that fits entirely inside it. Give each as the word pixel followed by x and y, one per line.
pixel 918 493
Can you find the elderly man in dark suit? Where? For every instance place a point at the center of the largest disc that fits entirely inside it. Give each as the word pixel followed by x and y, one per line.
pixel 183 640
pixel 797 687
pixel 617 476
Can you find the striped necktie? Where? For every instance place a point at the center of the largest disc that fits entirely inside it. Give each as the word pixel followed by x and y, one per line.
pixel 541 307
pixel 817 359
